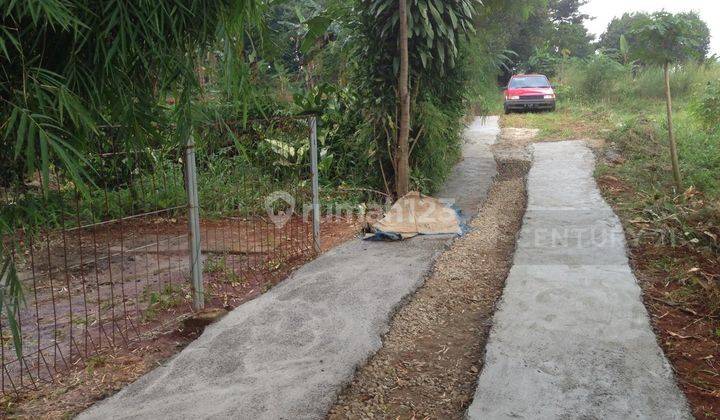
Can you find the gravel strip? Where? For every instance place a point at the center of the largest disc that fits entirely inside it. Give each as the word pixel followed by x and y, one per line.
pixel 431 357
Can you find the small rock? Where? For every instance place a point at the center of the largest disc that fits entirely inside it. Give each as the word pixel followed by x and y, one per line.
pixel 614 157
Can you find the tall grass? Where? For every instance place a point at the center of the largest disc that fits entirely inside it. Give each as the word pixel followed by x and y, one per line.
pixel 602 79
pixel 634 97
pixel 643 139
pixel 597 79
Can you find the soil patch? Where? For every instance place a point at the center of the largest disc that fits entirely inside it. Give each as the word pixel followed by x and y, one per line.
pixel 431 356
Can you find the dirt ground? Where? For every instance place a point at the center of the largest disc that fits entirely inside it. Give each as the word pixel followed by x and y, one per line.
pixel 108 371
pixel 431 356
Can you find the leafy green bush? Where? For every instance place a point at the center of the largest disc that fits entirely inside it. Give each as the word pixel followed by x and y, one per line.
pixel 602 78
pixel 439 147
pixel 543 61
pixel 595 79
pixel 705 108
pixel 699 157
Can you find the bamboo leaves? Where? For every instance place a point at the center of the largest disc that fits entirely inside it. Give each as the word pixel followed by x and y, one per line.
pixel 70 66
pixel 11 299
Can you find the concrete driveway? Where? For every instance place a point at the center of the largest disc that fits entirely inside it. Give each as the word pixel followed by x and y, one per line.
pixel 571 338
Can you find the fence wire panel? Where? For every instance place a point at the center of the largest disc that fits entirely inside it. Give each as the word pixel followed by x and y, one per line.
pixel 253 228
pixel 108 266
pixel 93 264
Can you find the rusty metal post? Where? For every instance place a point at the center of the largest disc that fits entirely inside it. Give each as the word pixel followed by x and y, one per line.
pixel 315 184
pixel 194 226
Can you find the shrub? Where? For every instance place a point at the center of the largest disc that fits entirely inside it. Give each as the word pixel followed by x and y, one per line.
pixel 439 148
pixel 706 107
pixel 595 79
pixel 602 77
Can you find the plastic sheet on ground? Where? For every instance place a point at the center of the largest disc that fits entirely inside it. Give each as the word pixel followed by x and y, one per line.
pixel 416 214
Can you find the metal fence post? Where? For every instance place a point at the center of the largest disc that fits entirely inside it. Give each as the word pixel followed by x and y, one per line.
pixel 315 183
pixel 194 226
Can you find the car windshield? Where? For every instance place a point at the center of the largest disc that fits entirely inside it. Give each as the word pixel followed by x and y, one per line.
pixel 529 82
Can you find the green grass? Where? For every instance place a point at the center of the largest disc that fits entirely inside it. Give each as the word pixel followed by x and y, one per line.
pixel 638 130
pixel 223 273
pixel 643 140
pixel 578 119
pixel 160 301
pixel 571 120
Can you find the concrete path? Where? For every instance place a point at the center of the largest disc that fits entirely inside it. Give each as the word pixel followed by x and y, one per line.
pixel 471 179
pixel 288 353
pixel 571 338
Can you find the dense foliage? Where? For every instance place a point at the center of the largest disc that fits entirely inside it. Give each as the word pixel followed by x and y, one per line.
pixel 81 75
pixel 629 28
pixel 438 35
pixel 554 30
pixel 670 38
pixel 71 68
pixel 705 107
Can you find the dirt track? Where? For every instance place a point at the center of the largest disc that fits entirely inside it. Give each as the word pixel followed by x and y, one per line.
pixel 429 363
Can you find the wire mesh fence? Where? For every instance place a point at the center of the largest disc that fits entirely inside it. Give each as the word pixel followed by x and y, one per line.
pixel 106 267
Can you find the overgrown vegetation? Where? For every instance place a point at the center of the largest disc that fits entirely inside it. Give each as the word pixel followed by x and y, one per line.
pixel 630 104
pixel 628 111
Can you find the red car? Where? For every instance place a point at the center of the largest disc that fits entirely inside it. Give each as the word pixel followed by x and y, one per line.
pixel 529 92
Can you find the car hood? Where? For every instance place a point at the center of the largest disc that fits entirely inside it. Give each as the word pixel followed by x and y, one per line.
pixel 530 91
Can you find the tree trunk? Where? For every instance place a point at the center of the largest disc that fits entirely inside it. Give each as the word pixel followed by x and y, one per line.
pixel 671 135
pixel 402 173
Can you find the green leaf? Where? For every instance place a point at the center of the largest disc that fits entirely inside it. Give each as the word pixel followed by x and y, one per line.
pixel 423 7
pixel 453 18
pixel 424 58
pixel 11 298
pixel 317 27
pixel 435 12
pixel 624 48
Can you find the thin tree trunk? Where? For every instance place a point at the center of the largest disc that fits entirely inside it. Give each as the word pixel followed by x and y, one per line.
pixel 402 173
pixel 671 135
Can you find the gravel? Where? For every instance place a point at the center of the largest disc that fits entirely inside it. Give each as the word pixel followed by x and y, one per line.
pixel 429 363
